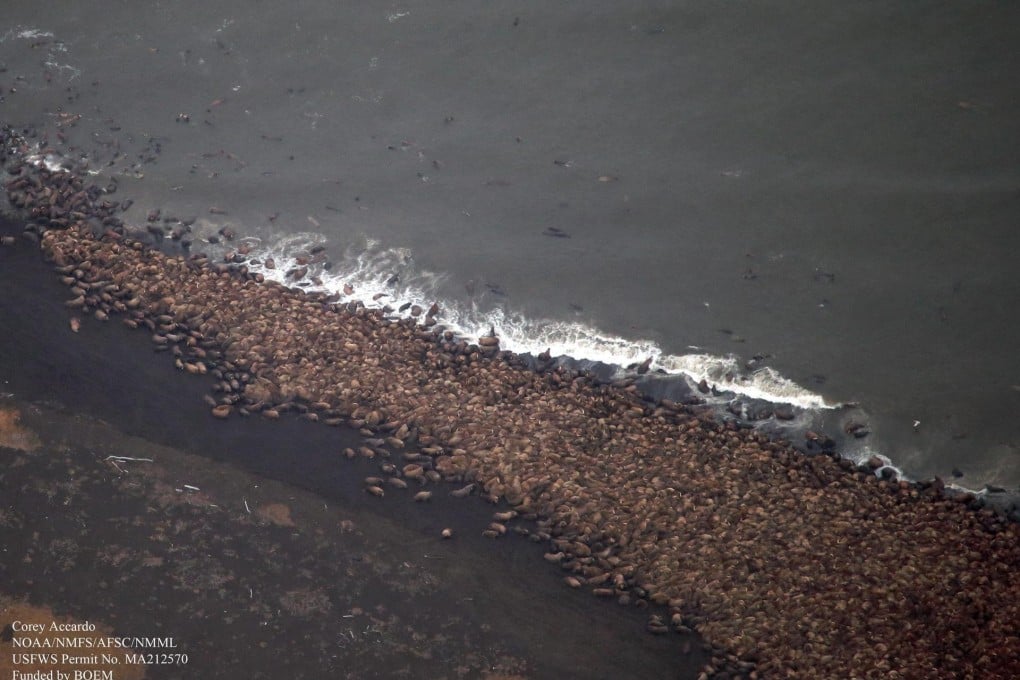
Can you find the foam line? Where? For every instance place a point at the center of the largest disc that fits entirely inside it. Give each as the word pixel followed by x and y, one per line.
pixel 387 277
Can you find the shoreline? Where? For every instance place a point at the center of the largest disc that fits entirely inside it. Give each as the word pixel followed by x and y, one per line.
pixel 688 481
pixel 103 391
pixel 829 431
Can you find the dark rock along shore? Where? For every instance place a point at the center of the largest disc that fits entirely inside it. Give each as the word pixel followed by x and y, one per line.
pixel 790 565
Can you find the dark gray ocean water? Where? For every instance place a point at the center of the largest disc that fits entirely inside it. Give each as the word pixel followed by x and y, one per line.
pixel 832 188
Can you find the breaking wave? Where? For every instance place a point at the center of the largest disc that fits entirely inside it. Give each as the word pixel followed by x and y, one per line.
pixel 387 278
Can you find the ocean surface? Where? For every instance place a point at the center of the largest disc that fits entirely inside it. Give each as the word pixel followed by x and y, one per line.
pixel 811 203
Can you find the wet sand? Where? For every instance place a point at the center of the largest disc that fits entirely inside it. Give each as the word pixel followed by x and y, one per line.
pixel 271 592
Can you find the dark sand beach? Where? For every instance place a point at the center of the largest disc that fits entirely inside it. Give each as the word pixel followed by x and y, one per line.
pixel 789 565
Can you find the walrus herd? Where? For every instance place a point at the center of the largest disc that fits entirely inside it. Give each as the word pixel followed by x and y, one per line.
pixel 789 565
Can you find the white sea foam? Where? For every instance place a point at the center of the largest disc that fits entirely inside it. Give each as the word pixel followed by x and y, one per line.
pixel 50 161
pixel 387 277
pixel 860 455
pixel 864 453
pixel 53 48
pixel 33 33
pixel 73 71
pixel 24 34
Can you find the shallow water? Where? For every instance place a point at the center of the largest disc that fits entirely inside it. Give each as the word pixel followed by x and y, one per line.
pixel 833 188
